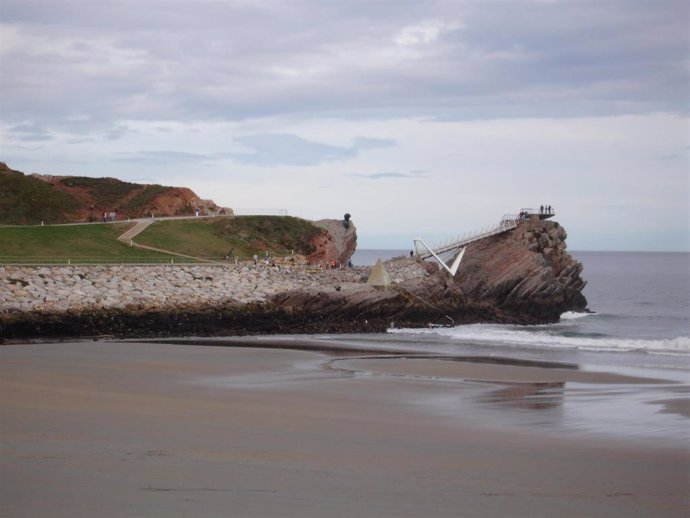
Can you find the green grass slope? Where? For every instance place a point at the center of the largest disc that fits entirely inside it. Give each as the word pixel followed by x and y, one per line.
pixel 25 199
pixel 246 235
pixel 77 243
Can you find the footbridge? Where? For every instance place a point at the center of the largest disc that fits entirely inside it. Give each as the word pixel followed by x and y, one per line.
pixel 455 247
pixel 462 241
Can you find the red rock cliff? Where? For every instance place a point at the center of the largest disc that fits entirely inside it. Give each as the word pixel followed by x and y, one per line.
pixel 337 243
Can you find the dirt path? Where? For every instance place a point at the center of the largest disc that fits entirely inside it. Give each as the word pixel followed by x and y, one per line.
pixel 143 224
pixel 137 229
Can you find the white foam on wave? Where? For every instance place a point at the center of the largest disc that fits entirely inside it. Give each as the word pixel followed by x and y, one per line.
pixel 494 334
pixel 574 315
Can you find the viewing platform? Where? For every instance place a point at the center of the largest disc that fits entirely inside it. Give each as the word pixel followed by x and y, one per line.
pixel 524 214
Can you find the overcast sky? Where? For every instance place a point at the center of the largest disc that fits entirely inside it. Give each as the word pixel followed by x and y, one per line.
pixel 419 118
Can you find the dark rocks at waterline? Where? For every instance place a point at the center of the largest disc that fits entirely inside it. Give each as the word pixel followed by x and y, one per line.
pixel 225 321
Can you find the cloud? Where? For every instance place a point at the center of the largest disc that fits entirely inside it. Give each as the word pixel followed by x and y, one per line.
pixel 269 150
pixel 380 176
pixel 196 61
pixel 424 33
pixel 373 143
pixel 162 157
pixel 30 132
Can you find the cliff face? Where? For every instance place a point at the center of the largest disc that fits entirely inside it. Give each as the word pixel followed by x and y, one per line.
pixel 525 272
pixel 337 243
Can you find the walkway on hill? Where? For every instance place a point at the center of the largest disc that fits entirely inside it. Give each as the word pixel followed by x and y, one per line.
pixel 143 224
pixel 137 229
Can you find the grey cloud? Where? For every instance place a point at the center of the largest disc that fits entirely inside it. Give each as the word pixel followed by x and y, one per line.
pixel 35 138
pixel 380 176
pixel 291 150
pixel 162 157
pixel 30 132
pixel 667 157
pixel 115 132
pixel 373 143
pixel 203 60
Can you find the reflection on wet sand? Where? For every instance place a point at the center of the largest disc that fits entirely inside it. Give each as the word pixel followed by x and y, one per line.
pixel 484 369
pixel 530 396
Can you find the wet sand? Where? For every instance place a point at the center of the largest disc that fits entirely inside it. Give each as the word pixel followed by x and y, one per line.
pixel 152 429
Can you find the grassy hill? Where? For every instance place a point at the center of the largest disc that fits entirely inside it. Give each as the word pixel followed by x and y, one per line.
pixel 76 243
pixel 246 236
pixel 26 200
pixel 198 237
pixel 32 199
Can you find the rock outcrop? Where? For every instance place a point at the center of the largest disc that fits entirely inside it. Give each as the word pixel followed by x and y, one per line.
pixel 526 273
pixel 336 244
pixel 524 276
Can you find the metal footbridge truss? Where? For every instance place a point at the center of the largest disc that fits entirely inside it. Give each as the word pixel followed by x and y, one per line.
pixel 455 248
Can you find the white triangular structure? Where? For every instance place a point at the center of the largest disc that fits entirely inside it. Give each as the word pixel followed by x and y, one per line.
pixel 379 277
pixel 453 268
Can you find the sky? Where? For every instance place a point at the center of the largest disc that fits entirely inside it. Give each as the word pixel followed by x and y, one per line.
pixel 420 119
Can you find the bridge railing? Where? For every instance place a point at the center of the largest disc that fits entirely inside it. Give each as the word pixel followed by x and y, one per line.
pixel 469 237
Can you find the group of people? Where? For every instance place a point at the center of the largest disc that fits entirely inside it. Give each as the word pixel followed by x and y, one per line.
pixel 267 259
pixel 110 216
pixel 543 209
pixel 199 211
pixel 107 216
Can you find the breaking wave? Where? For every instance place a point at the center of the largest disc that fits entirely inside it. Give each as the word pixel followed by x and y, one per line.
pixel 551 337
pixel 574 315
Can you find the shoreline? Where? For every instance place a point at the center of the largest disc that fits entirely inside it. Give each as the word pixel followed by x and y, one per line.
pixel 520 379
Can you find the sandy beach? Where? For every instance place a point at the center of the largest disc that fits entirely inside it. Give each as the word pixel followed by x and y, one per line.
pixel 115 429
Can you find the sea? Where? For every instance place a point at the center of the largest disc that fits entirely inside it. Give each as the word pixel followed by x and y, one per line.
pixel 639 325
pixel 639 302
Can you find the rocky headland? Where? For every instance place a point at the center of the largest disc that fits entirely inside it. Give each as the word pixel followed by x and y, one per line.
pixel 523 276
